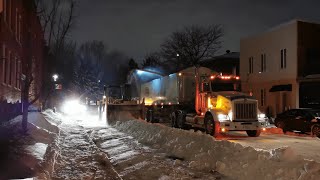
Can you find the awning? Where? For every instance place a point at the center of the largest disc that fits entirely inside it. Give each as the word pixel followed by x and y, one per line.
pixel 283 87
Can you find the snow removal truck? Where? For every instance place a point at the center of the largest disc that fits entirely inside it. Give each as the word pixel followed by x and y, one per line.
pixel 199 98
pixel 118 102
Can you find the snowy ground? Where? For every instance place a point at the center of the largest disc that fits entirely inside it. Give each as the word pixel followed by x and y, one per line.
pixel 83 137
pixel 73 155
pixel 304 145
pixel 231 159
pixel 79 147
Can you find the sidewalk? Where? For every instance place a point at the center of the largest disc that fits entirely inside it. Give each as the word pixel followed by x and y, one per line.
pixel 46 152
pixel 21 155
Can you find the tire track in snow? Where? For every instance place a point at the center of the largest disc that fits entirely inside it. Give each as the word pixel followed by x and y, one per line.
pixel 79 158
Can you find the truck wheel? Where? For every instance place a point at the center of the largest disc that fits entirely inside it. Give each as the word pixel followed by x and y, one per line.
pixel 173 119
pixel 316 130
pixel 254 133
pixel 211 126
pixel 150 117
pixel 282 126
pixel 181 121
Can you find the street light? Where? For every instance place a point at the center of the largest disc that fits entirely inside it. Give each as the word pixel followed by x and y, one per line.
pixel 55 77
pixel 178 54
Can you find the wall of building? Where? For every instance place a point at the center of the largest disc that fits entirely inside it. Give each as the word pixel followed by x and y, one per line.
pixel 271 43
pixel 17 22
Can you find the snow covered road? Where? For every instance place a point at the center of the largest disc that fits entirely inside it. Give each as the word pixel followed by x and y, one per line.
pixel 303 145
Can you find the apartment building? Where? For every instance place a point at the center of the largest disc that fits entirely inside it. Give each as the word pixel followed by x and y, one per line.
pixel 21 38
pixel 280 67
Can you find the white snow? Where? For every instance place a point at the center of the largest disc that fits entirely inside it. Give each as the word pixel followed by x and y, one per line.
pixel 38 150
pixel 228 158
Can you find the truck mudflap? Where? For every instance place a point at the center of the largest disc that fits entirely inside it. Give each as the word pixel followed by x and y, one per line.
pixel 242 126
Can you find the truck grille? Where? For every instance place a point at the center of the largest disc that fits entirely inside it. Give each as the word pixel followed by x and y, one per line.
pixel 245 110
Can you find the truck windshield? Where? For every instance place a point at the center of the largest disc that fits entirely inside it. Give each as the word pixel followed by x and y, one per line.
pixel 217 86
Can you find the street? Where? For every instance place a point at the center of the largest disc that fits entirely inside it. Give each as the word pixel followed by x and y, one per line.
pixel 303 145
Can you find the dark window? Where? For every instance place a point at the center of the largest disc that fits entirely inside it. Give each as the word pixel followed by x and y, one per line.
pixel 262 97
pixel 263 63
pixel 283 63
pixel 251 65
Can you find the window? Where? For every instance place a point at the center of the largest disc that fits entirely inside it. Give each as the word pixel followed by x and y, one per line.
pixel 3 63
pixel 19 29
pixel 9 69
pixel 19 75
pixel 251 65
pixel 17 72
pixel 263 63
pixel 283 63
pixel 5 10
pixel 262 97
pixel 9 13
pixel 13 71
pixel 16 23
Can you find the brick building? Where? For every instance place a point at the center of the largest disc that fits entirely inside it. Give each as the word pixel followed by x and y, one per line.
pixel 21 40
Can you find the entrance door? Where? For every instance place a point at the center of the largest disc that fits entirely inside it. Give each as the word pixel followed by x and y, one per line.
pixel 284 101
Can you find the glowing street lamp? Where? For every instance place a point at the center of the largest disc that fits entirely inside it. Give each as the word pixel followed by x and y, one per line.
pixel 178 54
pixel 55 77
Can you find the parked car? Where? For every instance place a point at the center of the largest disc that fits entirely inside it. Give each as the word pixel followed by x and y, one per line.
pixel 303 120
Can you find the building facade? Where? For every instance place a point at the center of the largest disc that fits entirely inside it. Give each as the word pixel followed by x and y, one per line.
pixel 21 41
pixel 279 67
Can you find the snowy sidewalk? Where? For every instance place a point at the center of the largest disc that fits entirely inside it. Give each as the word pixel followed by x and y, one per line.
pixel 22 155
pixel 73 155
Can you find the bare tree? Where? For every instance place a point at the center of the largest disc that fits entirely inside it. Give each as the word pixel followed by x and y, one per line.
pixel 89 69
pixel 191 45
pixel 57 18
pixel 151 60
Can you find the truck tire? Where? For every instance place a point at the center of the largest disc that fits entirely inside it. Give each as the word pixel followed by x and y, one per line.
pixel 181 120
pixel 173 119
pixel 254 133
pixel 211 127
pixel 147 118
pixel 150 117
pixel 315 130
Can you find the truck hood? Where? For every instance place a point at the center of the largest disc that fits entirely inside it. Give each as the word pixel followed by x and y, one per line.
pixel 232 95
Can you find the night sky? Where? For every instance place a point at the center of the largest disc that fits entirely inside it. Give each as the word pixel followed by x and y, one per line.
pixel 137 27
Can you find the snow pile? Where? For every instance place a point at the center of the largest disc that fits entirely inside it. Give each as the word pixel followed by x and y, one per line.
pixel 228 158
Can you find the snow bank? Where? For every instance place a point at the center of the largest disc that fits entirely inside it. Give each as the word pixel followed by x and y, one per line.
pixel 231 159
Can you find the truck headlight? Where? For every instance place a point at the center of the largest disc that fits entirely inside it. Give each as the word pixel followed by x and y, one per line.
pixel 222 117
pixel 261 116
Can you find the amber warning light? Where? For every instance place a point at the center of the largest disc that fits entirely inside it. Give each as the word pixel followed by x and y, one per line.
pixel 225 77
